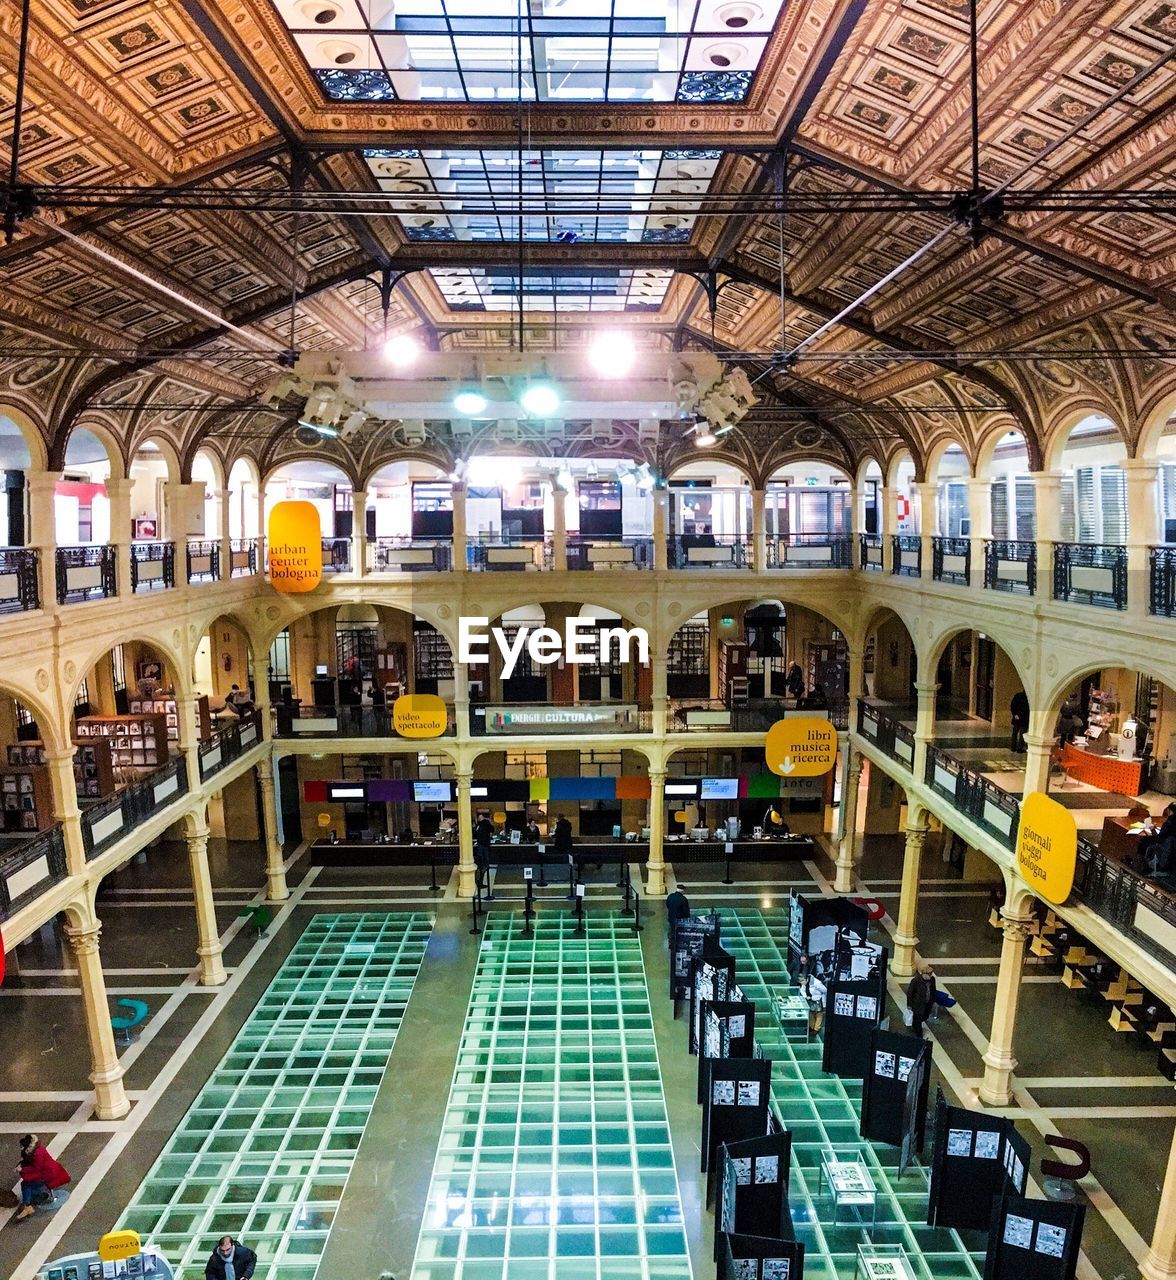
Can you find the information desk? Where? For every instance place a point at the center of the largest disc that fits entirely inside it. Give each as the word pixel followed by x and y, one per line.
pixel 1107 772
pixel 850 1183
pixel 1118 841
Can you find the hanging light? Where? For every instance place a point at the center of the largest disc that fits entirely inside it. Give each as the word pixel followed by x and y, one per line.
pixel 612 354
pixel 540 400
pixel 402 350
pixel 704 439
pixel 470 402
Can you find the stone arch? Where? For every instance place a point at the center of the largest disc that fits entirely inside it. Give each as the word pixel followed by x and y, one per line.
pixel 991 441
pixel 55 736
pixel 1061 429
pixel 787 594
pixel 1155 416
pixel 104 437
pixel 937 453
pixel 937 645
pixel 34 441
pixel 1045 716
pixel 173 653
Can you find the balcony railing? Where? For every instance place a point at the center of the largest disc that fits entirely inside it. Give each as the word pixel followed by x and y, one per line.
pixel 975 796
pixel 588 552
pixel 870 551
pixel 309 721
pixel 336 555
pixel 951 560
pixel 28 868
pixel 713 715
pixel 810 551
pixel 153 566
pixel 1136 906
pixel 542 719
pixel 708 551
pixel 105 823
pixel 203 561
pixel 888 734
pixel 506 553
pixel 227 743
pixel 907 549
pixel 86 573
pixel 243 554
pixel 1086 573
pixel 1163 581
pixel 409 555
pixel 18 580
pixel 1010 566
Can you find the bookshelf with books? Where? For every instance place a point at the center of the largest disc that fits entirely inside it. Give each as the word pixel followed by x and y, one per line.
pixel 93 767
pixel 136 741
pixel 164 704
pixel 27 798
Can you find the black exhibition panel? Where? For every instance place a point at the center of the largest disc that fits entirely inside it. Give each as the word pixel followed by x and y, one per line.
pixel 1034 1239
pixel 753 1188
pixel 736 1104
pixel 686 943
pixel 852 1011
pixel 760 1258
pixel 726 1030
pixel 819 927
pixel 978 1158
pixel 712 977
pixel 894 1096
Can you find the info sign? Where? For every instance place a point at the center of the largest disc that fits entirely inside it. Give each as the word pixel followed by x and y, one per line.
pixel 1047 847
pixel 801 747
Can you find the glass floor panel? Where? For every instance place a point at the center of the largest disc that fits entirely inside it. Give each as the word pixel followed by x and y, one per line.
pixel 554 1161
pixel 266 1148
pixel 823 1111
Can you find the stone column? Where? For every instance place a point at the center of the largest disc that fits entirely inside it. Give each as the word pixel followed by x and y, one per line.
pixel 189 738
pixel 119 493
pixel 759 530
pixel 659 666
pixel 223 533
pixel 655 883
pixel 661 511
pixel 466 871
pixel 65 808
pixel 110 1099
pixel 459 528
pixel 924 725
pixel 559 528
pixel 1144 531
pixel 928 525
pixel 1038 752
pixel 996 1089
pixel 262 531
pixel 889 526
pixel 847 846
pixel 359 532
pixel 980 520
pixel 902 963
pixel 1047 500
pixel 857 684
pixel 1159 1263
pixel 41 523
pixel 276 889
pixel 208 943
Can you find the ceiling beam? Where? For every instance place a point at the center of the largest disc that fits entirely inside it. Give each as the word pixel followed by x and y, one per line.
pixel 581 259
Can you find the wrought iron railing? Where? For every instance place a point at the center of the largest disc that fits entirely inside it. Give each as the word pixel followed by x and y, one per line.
pixel 336 555
pixel 810 551
pixel 1126 899
pixel 243 553
pixel 18 580
pixel 153 566
pixel 951 560
pixel 105 823
pixel 1090 573
pixel 996 810
pixel 1163 581
pixel 346 721
pixel 587 552
pixel 543 719
pixel 508 553
pixel 203 561
pixel 713 715
pixel 888 734
pixel 29 868
pixel 228 743
pixel 409 555
pixel 907 554
pixel 86 573
pixel 870 552
pixel 1010 566
pixel 708 551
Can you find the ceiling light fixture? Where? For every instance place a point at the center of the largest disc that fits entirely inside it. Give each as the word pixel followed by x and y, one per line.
pixel 470 402
pixel 704 439
pixel 539 400
pixel 402 350
pixel 612 354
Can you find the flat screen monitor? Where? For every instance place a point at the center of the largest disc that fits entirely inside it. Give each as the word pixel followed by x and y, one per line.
pixel 682 789
pixel 434 792
pixel 719 789
pixel 337 791
pixel 321 669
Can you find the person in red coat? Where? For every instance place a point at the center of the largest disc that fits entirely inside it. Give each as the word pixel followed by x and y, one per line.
pixel 39 1174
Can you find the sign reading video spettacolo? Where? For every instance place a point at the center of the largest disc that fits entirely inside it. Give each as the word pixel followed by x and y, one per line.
pixel 1047 847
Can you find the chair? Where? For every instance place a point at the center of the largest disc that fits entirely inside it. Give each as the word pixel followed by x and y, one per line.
pixel 259 915
pixel 123 1025
pixel 1060 1177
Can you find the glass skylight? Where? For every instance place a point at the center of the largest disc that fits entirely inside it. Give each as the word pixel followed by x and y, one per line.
pixel 619 289
pixel 543 50
pixel 588 195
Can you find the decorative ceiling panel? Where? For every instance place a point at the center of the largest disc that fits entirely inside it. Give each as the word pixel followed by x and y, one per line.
pixel 497 289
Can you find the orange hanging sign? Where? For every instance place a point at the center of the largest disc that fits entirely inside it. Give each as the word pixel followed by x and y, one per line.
pixel 420 715
pixel 1047 847
pixel 295 547
pixel 802 747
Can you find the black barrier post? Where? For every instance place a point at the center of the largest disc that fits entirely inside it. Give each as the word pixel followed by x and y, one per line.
pixel 627 881
pixel 475 903
pixel 636 912
pixel 542 868
pixel 580 913
pixel 621 866
pixel 489 882
pixel 528 909
pixel 571 876
pixel 727 876
pixel 434 887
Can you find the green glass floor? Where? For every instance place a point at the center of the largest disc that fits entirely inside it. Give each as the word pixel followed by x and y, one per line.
pixel 265 1150
pixel 555 1160
pixel 822 1111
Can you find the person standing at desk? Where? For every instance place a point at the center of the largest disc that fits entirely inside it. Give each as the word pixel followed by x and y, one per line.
pixel 483 836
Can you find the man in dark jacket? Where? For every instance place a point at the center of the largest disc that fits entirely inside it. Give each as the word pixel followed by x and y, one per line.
pixel 677 906
pixel 921 997
pixel 483 836
pixel 1019 711
pixel 230 1261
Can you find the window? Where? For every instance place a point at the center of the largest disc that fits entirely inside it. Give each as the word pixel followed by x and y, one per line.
pixel 24 717
pixel 689 651
pixel 521 765
pixel 1000 507
pixel 82 697
pixel 600 764
pixel 118 669
pixel 687 764
pixel 279 657
pixel 1026 509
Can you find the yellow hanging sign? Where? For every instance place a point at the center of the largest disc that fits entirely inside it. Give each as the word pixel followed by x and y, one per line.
pixel 119 1244
pixel 420 715
pixel 1047 847
pixel 802 747
pixel 294 549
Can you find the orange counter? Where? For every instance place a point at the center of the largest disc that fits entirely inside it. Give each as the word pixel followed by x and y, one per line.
pixel 1108 773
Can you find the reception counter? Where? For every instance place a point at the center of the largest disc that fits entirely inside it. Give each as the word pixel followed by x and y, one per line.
pixel 1106 772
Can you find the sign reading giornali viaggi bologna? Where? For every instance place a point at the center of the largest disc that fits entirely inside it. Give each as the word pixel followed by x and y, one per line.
pixel 294 547
pixel 419 715
pixel 801 747
pixel 1047 847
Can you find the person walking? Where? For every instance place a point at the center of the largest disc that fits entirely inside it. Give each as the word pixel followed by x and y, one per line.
pixel 483 835
pixel 677 908
pixel 1019 710
pixel 920 995
pixel 230 1261
pixel 40 1175
pixel 562 843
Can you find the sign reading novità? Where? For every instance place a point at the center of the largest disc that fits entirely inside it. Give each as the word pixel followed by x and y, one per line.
pixel 581 641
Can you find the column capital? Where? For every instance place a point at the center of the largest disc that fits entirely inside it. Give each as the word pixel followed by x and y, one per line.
pixel 1016 928
pixel 265 771
pixel 84 939
pixel 1141 468
pixel 1039 740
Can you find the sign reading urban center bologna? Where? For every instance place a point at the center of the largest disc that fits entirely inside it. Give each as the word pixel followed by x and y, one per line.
pixel 1047 847
pixel 419 715
pixel 294 546
pixel 801 747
